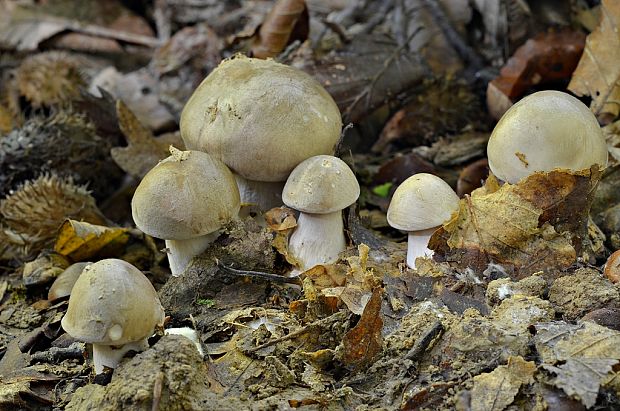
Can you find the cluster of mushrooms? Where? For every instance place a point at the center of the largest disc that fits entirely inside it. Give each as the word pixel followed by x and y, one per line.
pixel 544 131
pixel 264 133
pixel 256 132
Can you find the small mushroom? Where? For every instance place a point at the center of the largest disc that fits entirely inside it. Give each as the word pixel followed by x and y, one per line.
pixel 114 307
pixel 419 206
pixel 542 132
pixel 63 284
pixel 261 118
pixel 320 188
pixel 185 200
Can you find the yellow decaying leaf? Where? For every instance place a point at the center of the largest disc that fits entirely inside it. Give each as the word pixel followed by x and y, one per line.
pixel 598 72
pixel 531 226
pixel 497 389
pixel 81 241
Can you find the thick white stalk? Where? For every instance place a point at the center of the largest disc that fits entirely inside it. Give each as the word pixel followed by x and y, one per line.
pixel 318 239
pixel 108 356
pixel 417 245
pixel 181 252
pixel 265 194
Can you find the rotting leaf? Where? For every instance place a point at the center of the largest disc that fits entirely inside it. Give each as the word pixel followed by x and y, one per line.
pixel 581 377
pixel 581 356
pixel 143 151
pixel 364 341
pixel 287 21
pixel 549 56
pixel 81 241
pixel 598 72
pixel 512 225
pixel 496 390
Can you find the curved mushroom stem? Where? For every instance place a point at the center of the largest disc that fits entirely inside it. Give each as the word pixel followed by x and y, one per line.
pixel 318 239
pixel 181 252
pixel 265 194
pixel 417 245
pixel 108 356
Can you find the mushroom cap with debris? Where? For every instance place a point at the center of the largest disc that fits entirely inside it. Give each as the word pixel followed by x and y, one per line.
pixel 544 131
pixel 321 185
pixel 112 303
pixel 187 195
pixel 261 118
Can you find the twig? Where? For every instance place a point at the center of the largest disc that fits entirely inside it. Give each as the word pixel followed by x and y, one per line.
pixel 295 334
pixel 257 274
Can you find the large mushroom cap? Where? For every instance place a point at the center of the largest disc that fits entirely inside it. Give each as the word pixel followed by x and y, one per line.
pixel 261 118
pixel 321 185
pixel 421 202
pixel 112 303
pixel 544 131
pixel 187 195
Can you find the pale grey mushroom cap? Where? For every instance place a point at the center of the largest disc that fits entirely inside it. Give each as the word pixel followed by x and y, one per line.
pixel 421 202
pixel 261 118
pixel 187 195
pixel 112 303
pixel 544 131
pixel 320 185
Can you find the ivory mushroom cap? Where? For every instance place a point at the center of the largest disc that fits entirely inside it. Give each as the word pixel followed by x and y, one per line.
pixel 261 118
pixel 320 185
pixel 187 195
pixel 542 132
pixel 421 202
pixel 112 303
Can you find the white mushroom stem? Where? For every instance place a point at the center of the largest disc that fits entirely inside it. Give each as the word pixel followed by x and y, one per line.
pixel 181 252
pixel 265 194
pixel 417 245
pixel 108 356
pixel 318 239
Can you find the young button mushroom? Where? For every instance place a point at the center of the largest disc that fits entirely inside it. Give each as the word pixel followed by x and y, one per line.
pixel 114 307
pixel 320 188
pixel 419 206
pixel 542 132
pixel 184 200
pixel 262 119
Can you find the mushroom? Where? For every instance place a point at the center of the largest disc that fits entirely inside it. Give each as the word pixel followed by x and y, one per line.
pixel 542 132
pixel 261 118
pixel 320 188
pixel 419 206
pixel 114 307
pixel 63 284
pixel 185 200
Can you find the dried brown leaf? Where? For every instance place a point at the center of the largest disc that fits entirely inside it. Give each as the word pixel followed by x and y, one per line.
pixel 143 151
pixel 598 72
pixel 531 226
pixel 550 56
pixel 287 21
pixel 496 390
pixel 364 341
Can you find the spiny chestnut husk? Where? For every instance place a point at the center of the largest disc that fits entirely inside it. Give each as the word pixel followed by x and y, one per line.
pixel 33 213
pixel 66 144
pixel 50 78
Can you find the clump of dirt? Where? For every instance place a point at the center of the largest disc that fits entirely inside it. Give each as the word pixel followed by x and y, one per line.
pixel 169 376
pixel 586 290
pixel 499 290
